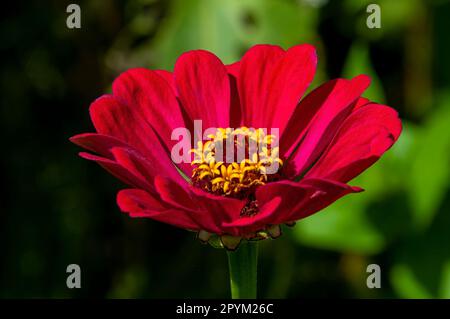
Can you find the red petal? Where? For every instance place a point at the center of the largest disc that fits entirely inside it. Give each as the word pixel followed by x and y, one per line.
pixel 360 102
pixel 174 194
pixel 118 171
pixel 254 82
pixel 112 118
pixel 98 143
pixel 168 77
pixel 364 136
pixel 287 201
pixel 288 82
pixel 139 203
pixel 203 87
pixel 207 210
pixel 316 121
pixel 233 69
pixel 243 226
pixel 146 169
pixel 275 200
pixel 235 107
pixel 149 94
pixel 327 192
pixel 146 92
pixel 214 211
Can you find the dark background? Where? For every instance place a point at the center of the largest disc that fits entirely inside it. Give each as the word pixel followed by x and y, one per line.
pixel 57 209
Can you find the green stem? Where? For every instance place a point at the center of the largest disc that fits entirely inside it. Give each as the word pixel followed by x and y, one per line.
pixel 243 270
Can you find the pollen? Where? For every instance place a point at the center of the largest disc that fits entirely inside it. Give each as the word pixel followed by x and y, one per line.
pixel 234 162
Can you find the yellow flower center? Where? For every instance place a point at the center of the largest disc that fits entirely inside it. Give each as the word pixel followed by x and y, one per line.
pixel 234 162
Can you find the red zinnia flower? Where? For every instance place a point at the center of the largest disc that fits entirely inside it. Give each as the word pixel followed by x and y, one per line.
pixel 325 140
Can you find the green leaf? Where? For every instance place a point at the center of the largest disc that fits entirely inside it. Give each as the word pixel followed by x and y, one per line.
pixel 341 227
pixel 212 25
pixel 406 284
pixel 445 281
pixel 295 22
pixel 395 16
pixel 422 260
pixel 430 172
pixel 363 223
pixel 358 62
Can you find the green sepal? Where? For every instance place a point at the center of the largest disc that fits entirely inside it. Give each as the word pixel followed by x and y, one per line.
pixel 230 243
pixel 215 241
pixel 274 231
pixel 203 236
pixel 290 224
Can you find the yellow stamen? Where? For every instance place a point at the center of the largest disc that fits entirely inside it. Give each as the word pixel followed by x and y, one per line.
pixel 236 179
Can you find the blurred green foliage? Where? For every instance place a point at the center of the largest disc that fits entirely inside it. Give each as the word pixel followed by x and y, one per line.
pixel 58 209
